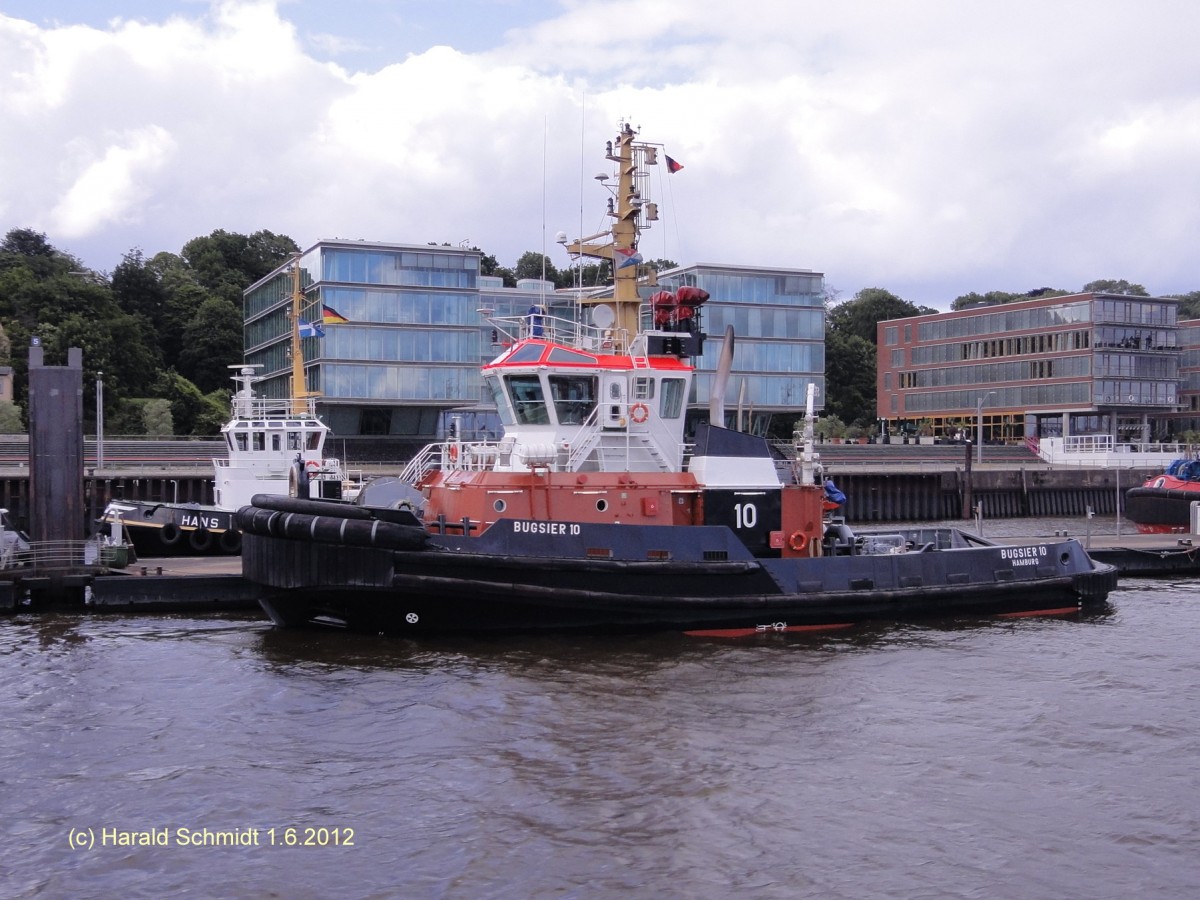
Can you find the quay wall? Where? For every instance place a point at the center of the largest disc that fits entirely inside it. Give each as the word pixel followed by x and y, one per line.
pixel 880 496
pixel 875 492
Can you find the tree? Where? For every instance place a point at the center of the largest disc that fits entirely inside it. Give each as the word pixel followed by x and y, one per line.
pixel 184 295
pixel 1115 286
pixel 1189 305
pixel 212 342
pixel 870 306
pixel 993 298
pixel 850 363
pixel 156 417
pixel 535 265
pixel 27 242
pixel 192 412
pixel 10 418
pixel 850 374
pixel 226 263
pixel 138 288
pixel 583 275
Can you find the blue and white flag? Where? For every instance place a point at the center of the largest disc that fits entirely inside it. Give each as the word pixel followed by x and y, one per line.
pixel 311 329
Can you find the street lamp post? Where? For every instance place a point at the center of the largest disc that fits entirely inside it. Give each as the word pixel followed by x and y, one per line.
pixel 979 425
pixel 99 421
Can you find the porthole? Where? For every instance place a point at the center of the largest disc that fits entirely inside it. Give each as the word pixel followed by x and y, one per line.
pixel 499 506
pixel 601 505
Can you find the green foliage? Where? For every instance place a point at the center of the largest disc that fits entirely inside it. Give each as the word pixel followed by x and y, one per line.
pixel 149 314
pixel 10 418
pixel 193 413
pixel 1189 305
pixel 870 305
pixel 212 341
pixel 26 242
pixel 157 419
pixel 830 426
pixel 850 375
pixel 585 275
pixel 225 264
pixel 535 265
pixel 1102 286
pixel 850 334
pixel 1115 286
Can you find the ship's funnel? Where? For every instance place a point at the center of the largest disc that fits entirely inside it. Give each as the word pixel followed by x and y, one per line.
pixel 716 399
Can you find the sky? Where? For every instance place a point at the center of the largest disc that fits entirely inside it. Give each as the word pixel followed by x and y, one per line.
pixel 929 147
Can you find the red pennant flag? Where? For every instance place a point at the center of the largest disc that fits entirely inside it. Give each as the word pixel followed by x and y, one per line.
pixel 673 166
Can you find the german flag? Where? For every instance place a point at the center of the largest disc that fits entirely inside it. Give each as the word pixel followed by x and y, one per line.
pixel 330 316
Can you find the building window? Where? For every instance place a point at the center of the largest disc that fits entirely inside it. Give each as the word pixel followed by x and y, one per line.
pixel 375 421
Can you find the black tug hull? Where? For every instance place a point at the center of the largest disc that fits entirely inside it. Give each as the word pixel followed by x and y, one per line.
pixel 170 529
pixel 641 578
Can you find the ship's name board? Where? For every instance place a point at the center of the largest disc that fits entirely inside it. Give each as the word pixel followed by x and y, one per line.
pixel 545 528
pixel 193 521
pixel 1024 556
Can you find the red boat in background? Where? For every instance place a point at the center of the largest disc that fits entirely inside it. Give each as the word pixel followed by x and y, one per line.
pixel 1163 504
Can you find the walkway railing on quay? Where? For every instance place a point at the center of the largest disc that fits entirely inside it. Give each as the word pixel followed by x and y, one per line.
pixel 37 558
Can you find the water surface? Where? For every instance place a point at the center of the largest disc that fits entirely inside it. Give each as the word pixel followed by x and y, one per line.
pixel 1042 757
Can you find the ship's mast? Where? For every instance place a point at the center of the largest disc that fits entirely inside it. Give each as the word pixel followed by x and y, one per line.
pixel 300 394
pixel 621 246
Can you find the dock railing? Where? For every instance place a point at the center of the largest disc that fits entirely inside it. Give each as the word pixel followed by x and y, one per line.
pixel 37 558
pixel 1101 451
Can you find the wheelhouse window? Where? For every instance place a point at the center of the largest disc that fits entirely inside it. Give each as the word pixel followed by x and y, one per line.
pixel 529 403
pixel 500 399
pixel 574 397
pixel 671 404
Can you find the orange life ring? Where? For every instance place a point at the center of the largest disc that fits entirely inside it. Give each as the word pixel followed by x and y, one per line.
pixel 798 541
pixel 454 453
pixel 639 412
pixel 312 465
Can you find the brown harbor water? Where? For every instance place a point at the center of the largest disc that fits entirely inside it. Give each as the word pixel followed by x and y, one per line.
pixel 149 756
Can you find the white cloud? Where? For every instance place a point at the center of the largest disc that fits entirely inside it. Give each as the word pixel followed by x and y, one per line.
pixel 110 188
pixel 931 147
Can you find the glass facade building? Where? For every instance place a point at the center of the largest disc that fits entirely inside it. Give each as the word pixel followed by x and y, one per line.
pixel 778 318
pixel 1076 365
pixel 400 356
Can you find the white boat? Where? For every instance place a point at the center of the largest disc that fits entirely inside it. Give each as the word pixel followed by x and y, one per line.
pixel 274 447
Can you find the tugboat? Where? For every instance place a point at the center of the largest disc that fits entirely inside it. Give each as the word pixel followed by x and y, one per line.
pixel 595 511
pixel 1163 504
pixel 275 447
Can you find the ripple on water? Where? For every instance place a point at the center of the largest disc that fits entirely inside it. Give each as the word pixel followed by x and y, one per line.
pixel 964 758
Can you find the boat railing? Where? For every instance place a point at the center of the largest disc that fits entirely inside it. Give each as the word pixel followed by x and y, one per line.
pixel 558 330
pixel 471 456
pixel 265 407
pixel 585 440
